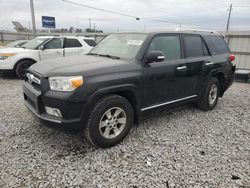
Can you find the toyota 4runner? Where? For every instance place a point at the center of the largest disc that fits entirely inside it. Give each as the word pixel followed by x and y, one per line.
pixel 126 74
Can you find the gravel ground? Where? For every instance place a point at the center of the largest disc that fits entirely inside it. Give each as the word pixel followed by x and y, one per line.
pixel 182 147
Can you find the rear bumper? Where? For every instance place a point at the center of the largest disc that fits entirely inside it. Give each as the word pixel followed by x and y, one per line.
pixel 231 77
pixel 34 101
pixel 228 80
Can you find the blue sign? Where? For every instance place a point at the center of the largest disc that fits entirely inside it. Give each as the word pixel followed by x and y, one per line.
pixel 48 22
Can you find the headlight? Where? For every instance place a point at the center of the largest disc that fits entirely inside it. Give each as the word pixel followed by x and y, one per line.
pixel 5 56
pixel 65 83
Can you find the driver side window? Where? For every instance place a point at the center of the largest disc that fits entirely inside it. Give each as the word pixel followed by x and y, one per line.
pixel 54 44
pixel 169 45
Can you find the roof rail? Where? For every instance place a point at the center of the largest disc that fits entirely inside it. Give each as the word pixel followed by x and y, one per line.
pixel 196 30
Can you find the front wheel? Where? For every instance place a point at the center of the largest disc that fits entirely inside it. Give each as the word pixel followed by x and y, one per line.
pixel 110 121
pixel 22 68
pixel 209 98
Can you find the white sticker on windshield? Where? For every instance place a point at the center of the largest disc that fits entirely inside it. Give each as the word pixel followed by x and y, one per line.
pixel 135 42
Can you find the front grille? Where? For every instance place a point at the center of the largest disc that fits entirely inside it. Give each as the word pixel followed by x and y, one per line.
pixel 34 82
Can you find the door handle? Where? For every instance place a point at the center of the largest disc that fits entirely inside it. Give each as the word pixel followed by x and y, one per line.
pixel 182 68
pixel 209 63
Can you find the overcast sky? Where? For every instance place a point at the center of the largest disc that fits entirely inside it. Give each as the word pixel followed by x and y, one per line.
pixel 154 14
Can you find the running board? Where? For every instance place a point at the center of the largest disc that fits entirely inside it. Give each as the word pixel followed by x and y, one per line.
pixel 169 102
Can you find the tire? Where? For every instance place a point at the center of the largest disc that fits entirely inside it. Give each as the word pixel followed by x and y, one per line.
pixel 22 68
pixel 102 127
pixel 210 95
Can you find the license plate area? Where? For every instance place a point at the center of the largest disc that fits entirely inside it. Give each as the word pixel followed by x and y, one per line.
pixel 32 97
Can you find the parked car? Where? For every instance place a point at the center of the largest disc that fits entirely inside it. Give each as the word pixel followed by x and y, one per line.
pixel 125 75
pixel 41 48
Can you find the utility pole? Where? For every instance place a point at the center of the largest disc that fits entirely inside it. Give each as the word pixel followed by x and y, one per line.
pixel 77 24
pixel 33 18
pixel 89 23
pixel 229 16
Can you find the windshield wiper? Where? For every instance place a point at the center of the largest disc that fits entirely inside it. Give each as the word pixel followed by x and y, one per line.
pixel 93 54
pixel 105 55
pixel 109 56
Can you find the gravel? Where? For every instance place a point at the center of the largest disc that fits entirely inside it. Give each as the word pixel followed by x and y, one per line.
pixel 182 147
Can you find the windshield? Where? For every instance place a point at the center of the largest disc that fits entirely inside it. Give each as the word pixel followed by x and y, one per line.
pixel 119 45
pixel 34 43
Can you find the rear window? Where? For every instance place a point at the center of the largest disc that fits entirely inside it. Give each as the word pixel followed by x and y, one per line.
pixel 90 42
pixel 193 46
pixel 219 44
pixel 72 43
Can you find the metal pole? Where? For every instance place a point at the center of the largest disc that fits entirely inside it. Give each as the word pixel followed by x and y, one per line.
pixel 229 16
pixel 89 23
pixel 77 24
pixel 33 18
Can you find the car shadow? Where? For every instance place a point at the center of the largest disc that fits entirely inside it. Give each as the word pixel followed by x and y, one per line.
pixel 8 75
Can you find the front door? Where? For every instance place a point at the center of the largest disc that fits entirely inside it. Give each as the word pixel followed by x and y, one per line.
pixel 52 49
pixel 168 80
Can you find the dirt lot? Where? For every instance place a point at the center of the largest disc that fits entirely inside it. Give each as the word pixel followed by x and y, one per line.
pixel 183 147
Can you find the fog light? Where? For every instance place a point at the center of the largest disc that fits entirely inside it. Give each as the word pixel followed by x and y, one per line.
pixel 53 111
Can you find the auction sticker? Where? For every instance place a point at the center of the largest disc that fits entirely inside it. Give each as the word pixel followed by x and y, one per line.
pixel 135 42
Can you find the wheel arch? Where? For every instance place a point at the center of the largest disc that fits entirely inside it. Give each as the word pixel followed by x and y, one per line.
pixel 220 75
pixel 20 60
pixel 128 91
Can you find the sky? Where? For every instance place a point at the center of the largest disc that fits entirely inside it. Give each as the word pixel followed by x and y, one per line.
pixel 154 14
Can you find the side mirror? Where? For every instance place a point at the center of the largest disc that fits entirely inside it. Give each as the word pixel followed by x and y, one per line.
pixel 41 47
pixel 155 56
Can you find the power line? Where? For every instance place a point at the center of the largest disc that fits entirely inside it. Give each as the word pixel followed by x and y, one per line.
pixel 100 9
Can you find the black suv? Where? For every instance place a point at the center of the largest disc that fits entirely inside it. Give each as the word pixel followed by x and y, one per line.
pixel 126 74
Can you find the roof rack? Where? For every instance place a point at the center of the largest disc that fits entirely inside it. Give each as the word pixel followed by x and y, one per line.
pixel 196 30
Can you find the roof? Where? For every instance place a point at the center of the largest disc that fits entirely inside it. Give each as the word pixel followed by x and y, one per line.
pixel 174 32
pixel 64 36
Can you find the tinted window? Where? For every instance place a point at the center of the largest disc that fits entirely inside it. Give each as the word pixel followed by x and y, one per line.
pixel 71 43
pixel 219 44
pixel 53 44
pixel 90 42
pixel 193 46
pixel 169 45
pixel 205 50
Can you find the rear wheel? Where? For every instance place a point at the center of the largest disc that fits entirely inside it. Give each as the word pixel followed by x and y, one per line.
pixel 210 95
pixel 22 68
pixel 110 121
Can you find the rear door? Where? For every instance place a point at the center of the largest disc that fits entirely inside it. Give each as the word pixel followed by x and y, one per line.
pixel 71 46
pixel 88 44
pixel 197 59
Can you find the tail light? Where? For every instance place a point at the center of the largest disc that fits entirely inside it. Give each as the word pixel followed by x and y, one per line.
pixel 231 57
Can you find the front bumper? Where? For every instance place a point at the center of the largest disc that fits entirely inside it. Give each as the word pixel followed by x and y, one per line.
pixel 35 101
pixel 6 64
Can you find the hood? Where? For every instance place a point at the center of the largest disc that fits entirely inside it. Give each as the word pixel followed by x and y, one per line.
pixel 67 66
pixel 13 50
